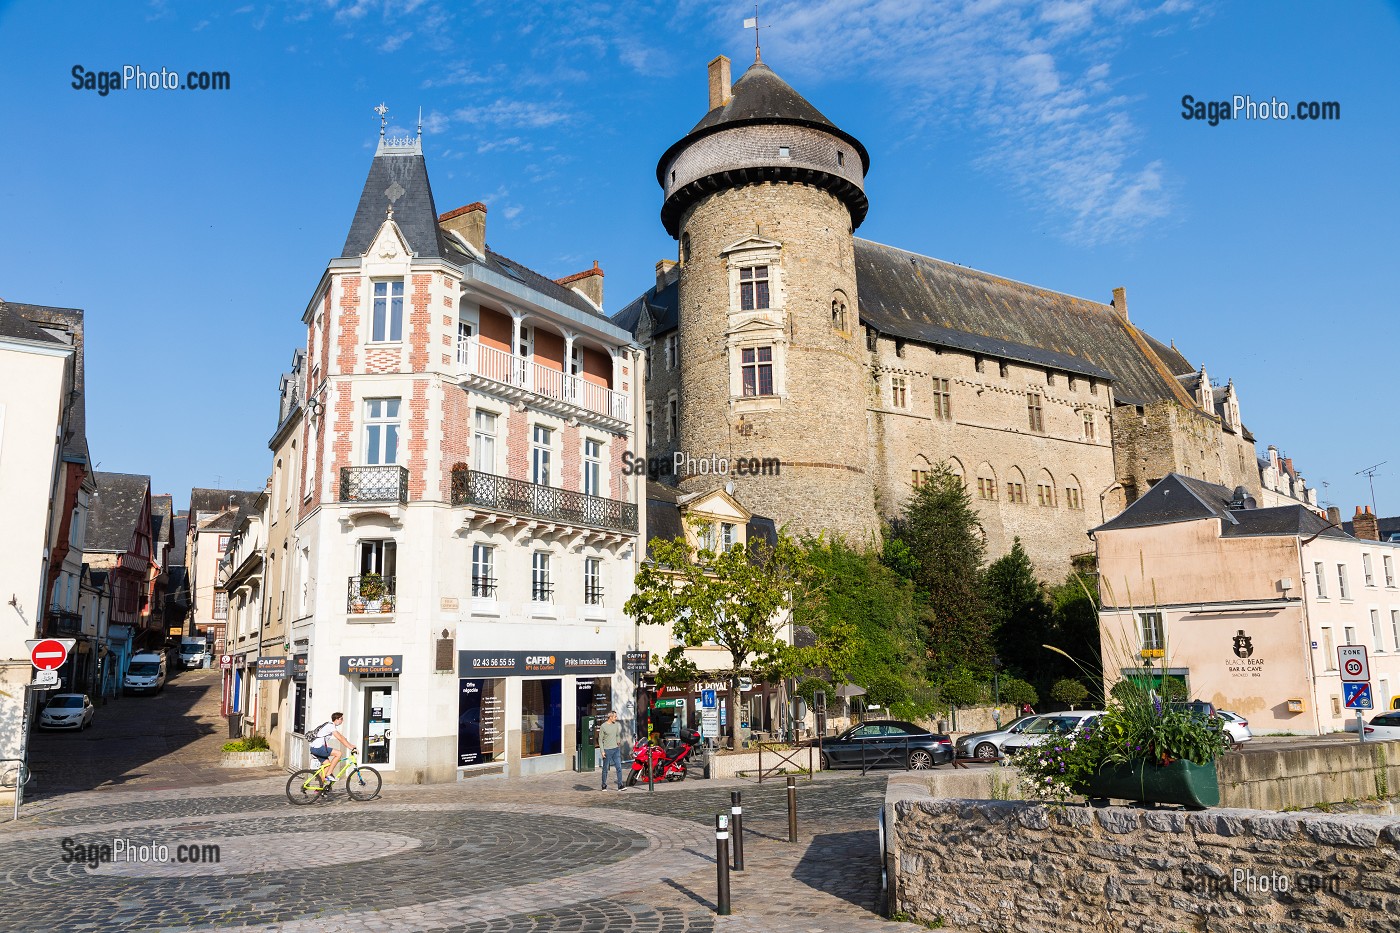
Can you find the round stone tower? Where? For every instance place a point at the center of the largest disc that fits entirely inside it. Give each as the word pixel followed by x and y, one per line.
pixel 764 195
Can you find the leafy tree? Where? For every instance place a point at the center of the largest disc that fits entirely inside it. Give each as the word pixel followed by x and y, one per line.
pixel 1173 690
pixel 1069 692
pixel 736 599
pixel 938 544
pixel 1017 692
pixel 865 603
pixel 1076 629
pixel 1021 614
pixel 961 689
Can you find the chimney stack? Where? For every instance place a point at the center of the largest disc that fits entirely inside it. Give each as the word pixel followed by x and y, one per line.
pixel 1334 515
pixel 1120 302
pixel 588 283
pixel 664 268
pixel 1364 525
pixel 719 82
pixel 469 222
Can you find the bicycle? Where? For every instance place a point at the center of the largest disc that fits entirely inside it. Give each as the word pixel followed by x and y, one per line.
pixel 362 782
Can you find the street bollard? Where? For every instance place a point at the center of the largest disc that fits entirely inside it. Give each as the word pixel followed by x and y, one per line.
pixel 792 809
pixel 736 819
pixel 722 864
pixel 651 770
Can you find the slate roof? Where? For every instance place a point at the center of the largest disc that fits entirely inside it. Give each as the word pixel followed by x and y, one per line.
pixel 14 325
pixel 414 210
pixel 70 321
pixel 1177 498
pixel 180 525
pixel 115 510
pixel 217 500
pixel 162 512
pixel 760 96
pixel 908 295
pixel 664 307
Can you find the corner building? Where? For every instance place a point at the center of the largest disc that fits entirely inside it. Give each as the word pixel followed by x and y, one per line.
pixel 778 333
pixel 466 536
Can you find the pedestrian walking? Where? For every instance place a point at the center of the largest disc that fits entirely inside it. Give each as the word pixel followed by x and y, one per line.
pixel 996 716
pixel 610 741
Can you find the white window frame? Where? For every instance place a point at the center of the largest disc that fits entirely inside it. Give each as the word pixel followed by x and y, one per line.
pixel 380 423
pixel 1376 630
pixel 753 274
pixel 1151 637
pixel 483 571
pixel 727 535
pixel 1320 579
pixel 1367 574
pixel 592 467
pixel 484 440
pixel 1343 592
pixel 758 365
pixel 593 581
pixel 1395 628
pixel 1388 566
pixel 541 584
pixel 1329 649
pixel 1350 632
pixel 541 453
pixel 386 311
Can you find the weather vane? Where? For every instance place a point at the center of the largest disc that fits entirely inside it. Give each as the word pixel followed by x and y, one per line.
pixel 383 112
pixel 752 23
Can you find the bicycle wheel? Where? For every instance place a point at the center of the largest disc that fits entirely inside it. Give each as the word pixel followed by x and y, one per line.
pixel 363 783
pixel 298 791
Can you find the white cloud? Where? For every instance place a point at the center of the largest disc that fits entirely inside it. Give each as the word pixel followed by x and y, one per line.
pixel 515 113
pixel 395 42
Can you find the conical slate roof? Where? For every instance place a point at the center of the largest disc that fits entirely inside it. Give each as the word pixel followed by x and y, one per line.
pixel 397 176
pixel 760 96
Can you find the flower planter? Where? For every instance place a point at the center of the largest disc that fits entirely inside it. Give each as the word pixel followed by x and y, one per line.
pixel 1180 782
pixel 260 759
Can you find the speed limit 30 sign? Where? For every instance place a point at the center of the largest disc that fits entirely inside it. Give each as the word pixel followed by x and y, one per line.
pixel 1352 661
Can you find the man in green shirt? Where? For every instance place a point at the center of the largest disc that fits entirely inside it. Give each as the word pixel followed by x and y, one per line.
pixel 610 741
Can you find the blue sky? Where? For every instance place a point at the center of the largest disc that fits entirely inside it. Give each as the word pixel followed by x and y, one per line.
pixel 1040 141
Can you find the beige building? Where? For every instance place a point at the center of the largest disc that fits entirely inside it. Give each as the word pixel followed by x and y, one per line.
pixel 1247 605
pixel 212 517
pixel 36 373
pixel 778 335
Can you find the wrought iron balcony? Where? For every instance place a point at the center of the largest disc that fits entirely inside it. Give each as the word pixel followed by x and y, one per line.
pixel 370 593
pixel 471 487
pixel 552 387
pixel 387 483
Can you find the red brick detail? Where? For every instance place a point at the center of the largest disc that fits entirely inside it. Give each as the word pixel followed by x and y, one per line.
pixel 419 322
pixel 446 301
pixel 456 435
pixel 517 444
pixel 342 440
pixel 581 275
pixel 446 360
pixel 570 454
pixel 383 360
pixel 418 440
pixel 617 445
pixel 446 321
pixel 348 326
pixel 474 206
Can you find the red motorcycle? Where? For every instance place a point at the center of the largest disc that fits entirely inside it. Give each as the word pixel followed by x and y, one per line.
pixel 657 763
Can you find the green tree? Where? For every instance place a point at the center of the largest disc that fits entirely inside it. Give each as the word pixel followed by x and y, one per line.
pixel 865 603
pixel 736 599
pixel 1069 692
pixel 1017 692
pixel 961 688
pixel 937 542
pixel 1021 615
pixel 1076 629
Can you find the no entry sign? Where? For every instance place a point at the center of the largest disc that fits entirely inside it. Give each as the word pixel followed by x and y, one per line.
pixel 48 654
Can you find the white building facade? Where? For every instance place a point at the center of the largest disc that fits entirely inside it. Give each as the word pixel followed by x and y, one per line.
pixel 467 536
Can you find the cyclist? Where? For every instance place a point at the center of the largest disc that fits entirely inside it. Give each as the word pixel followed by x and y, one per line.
pixel 327 754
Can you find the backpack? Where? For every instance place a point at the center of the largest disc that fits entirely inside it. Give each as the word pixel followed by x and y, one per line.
pixel 310 734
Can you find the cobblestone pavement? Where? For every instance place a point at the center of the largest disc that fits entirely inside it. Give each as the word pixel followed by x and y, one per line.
pixel 168 740
pixel 550 853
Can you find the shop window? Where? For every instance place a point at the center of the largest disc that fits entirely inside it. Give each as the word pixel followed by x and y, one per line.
pixel 481 721
pixel 540 718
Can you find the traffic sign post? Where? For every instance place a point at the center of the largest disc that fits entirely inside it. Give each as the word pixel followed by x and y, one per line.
pixel 1351 659
pixel 48 654
pixel 1357 696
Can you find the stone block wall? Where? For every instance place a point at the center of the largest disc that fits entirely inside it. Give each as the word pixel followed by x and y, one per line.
pixel 1026 867
pixel 1299 777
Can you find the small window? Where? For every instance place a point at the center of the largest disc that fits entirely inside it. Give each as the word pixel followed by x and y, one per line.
pixel 1089 426
pixel 756 369
pixel 483 571
pixel 1350 632
pixel 1389 570
pixel 918 477
pixel 1376 630
pixel 986 488
pixel 672 420
pixel 649 425
pixel 1342 590
pixel 1093 387
pixel 1366 570
pixel 387 321
pixel 540 455
pixel 1045 495
pixel 1072 498
pixel 1320 579
pixel 980 364
pixel 685 242
pixel 871 339
pixel 1036 411
pixel 1016 493
pixel 942 400
pixel 899 392
pixel 898 347
pixel 784 152
pixel 1049 378
pixel 593 581
pixel 1151 630
pixel 1395 628
pixel 753 288
pixel 1329 650
pixel 840 157
pixel 672 351
pixel 541 587
pixel 727 538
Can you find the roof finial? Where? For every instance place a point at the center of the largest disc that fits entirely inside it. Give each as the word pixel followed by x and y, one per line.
pixel 383 111
pixel 420 121
pixel 752 23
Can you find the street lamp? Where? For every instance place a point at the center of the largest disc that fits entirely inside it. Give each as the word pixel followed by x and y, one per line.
pixel 996 681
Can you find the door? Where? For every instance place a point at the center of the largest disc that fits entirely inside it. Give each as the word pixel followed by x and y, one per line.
pixel 379 724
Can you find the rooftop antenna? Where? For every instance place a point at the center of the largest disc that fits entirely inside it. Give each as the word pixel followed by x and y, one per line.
pixel 383 111
pixel 752 23
pixel 1370 474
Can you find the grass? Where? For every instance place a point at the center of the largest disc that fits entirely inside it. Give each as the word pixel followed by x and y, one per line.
pixel 253 743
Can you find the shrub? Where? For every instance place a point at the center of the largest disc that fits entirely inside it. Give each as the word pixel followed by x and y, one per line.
pixel 253 743
pixel 1069 692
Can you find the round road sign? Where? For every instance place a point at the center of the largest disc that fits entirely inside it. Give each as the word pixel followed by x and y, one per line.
pixel 49 654
pixel 1353 666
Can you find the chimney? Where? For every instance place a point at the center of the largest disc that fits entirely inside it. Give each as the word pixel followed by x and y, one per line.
pixel 469 222
pixel 1364 525
pixel 719 82
pixel 1334 515
pixel 1120 302
pixel 588 283
pixel 664 268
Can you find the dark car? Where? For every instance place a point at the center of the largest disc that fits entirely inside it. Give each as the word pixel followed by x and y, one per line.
pixel 887 743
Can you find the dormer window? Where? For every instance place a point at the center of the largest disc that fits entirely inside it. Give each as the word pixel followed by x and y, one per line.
pixel 784 152
pixel 753 288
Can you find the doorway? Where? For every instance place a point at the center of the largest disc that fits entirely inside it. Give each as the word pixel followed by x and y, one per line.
pixel 379 723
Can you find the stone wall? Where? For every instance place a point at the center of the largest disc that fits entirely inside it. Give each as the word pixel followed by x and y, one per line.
pixel 1299 777
pixel 1026 867
pixel 1166 437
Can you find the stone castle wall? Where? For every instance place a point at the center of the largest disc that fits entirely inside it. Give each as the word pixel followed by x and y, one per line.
pixel 816 425
pixel 1164 437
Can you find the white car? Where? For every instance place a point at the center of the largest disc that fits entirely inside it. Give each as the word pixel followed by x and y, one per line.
pixel 1236 726
pixel 988 744
pixel 67 711
pixel 1384 726
pixel 1048 727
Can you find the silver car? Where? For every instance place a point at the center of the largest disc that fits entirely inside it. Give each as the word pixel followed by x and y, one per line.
pixel 67 711
pixel 1055 724
pixel 988 744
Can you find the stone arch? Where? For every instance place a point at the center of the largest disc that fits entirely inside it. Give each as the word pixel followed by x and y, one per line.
pixel 919 471
pixel 1045 494
pixel 986 484
pixel 1015 486
pixel 1074 493
pixel 840 306
pixel 955 467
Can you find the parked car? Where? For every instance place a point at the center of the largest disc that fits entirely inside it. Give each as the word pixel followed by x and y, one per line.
pixel 1048 727
pixel 887 742
pixel 67 711
pixel 1384 726
pixel 988 744
pixel 1235 725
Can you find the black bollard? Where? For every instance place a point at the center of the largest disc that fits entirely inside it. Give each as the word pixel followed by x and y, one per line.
pixel 651 769
pixel 792 809
pixel 736 819
pixel 722 864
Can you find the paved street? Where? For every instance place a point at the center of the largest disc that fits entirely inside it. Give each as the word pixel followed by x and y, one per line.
pixel 486 856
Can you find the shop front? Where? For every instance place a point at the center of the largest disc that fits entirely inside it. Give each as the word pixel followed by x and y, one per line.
pixel 521 712
pixel 672 709
pixel 375 681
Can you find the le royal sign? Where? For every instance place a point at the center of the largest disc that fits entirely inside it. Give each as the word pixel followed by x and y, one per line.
pixel 371 664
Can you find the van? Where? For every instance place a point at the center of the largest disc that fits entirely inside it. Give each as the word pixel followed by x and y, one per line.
pixel 145 673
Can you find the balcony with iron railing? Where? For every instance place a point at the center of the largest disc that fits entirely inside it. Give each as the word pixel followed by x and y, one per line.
pixel 386 483
pixel 517 497
pixel 370 593
pixel 517 376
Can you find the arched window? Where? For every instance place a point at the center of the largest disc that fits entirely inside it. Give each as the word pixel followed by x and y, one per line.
pixel 920 471
pixel 986 482
pixel 956 468
pixel 1016 486
pixel 1074 499
pixel 838 313
pixel 1045 489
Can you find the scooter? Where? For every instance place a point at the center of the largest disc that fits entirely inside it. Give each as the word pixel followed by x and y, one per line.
pixel 652 763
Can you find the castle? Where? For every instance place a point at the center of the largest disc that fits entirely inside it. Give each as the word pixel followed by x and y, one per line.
pixel 778 333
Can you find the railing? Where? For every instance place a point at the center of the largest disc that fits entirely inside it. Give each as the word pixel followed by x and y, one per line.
pixel 593 594
pixel 374 484
pixel 356 601
pixel 471 487
pixel 484 587
pixel 508 369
